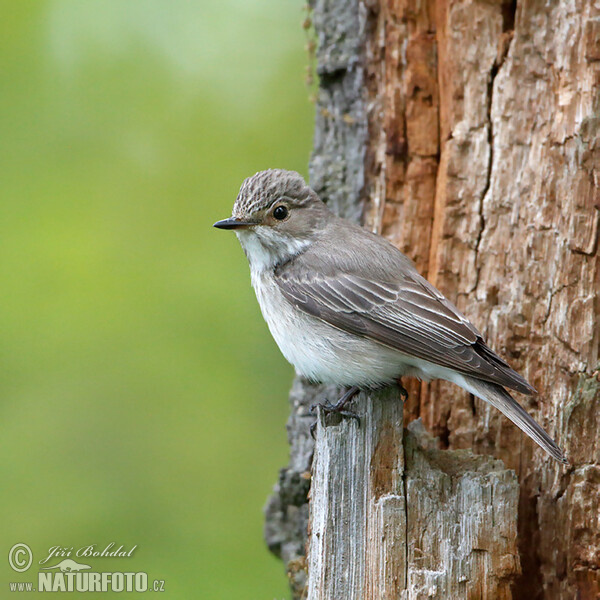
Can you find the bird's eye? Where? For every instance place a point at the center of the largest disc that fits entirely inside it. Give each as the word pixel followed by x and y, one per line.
pixel 280 212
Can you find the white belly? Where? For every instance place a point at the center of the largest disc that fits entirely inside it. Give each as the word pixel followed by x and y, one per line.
pixel 321 352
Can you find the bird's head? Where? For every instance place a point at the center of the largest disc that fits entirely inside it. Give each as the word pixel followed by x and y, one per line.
pixel 276 215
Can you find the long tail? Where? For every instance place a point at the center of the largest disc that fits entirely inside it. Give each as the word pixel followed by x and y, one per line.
pixel 499 398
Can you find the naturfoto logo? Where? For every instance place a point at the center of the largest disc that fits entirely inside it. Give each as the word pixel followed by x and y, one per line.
pixel 70 575
pixel 68 566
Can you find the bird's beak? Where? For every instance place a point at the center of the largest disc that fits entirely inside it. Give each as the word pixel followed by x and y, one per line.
pixel 233 223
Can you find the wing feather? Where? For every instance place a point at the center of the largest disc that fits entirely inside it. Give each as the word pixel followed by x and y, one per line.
pixel 408 315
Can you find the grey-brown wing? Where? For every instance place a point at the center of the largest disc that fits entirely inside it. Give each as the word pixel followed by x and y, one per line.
pixel 410 316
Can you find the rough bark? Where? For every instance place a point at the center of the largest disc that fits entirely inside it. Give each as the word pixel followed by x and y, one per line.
pixel 468 133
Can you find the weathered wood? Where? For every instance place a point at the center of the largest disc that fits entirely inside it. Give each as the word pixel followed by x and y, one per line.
pixel 394 517
pixel 468 132
pixel 357 543
pixel 462 530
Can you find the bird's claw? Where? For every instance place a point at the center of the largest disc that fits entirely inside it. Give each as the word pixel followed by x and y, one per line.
pixel 326 406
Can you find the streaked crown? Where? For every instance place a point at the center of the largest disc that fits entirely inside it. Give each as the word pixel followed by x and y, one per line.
pixel 264 188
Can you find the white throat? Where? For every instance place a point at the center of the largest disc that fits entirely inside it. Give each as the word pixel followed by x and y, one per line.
pixel 266 248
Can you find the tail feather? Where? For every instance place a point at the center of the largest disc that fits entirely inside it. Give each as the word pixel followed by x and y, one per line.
pixel 499 398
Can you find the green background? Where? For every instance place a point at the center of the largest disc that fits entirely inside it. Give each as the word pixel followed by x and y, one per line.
pixel 143 401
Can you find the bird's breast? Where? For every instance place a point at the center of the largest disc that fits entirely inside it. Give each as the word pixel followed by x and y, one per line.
pixel 319 351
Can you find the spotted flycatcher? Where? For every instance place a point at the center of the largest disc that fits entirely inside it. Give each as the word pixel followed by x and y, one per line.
pixel 348 308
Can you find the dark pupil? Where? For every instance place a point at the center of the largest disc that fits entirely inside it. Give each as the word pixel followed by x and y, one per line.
pixel 280 213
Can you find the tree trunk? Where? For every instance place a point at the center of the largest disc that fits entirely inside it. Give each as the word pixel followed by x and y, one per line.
pixel 467 132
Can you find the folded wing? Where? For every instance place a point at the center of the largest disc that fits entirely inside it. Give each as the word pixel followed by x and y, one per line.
pixel 408 315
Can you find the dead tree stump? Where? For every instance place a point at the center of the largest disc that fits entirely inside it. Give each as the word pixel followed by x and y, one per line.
pixel 468 132
pixel 391 516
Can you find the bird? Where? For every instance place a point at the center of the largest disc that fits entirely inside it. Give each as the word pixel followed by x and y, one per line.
pixel 346 307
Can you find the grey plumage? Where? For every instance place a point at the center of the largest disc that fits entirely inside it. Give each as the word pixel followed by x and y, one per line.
pixel 333 292
pixel 384 298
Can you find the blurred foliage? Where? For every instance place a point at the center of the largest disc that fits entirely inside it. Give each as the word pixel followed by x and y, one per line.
pixel 142 398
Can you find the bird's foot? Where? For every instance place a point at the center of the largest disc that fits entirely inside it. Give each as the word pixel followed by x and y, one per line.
pixel 402 389
pixel 337 408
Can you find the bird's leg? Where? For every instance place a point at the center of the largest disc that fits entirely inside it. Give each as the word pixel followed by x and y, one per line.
pixel 403 390
pixel 339 405
pixel 337 408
